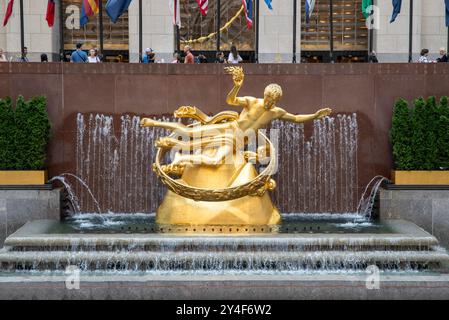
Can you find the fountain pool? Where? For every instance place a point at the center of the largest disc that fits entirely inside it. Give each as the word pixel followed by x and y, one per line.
pixel 113 243
pixel 145 223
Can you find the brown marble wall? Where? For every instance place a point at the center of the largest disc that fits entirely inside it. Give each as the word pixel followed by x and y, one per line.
pixel 367 89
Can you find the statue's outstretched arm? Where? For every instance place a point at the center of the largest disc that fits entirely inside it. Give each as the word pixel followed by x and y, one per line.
pixel 204 130
pixel 306 117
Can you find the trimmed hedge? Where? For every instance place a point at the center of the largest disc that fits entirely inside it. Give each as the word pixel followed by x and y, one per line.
pixel 420 134
pixel 24 134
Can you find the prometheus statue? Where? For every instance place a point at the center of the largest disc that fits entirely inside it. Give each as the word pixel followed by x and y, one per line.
pixel 212 179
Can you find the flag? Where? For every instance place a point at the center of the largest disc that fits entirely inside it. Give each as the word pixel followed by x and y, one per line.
pixel 50 16
pixel 176 12
pixel 396 9
pixel 268 2
pixel 203 5
pixel 248 4
pixel 115 8
pixel 447 12
pixel 310 4
pixel 88 8
pixel 8 12
pixel 365 5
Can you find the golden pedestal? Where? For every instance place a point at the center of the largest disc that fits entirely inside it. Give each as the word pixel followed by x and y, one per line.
pixel 248 210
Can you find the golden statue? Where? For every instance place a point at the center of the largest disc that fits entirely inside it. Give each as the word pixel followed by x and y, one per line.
pixel 212 179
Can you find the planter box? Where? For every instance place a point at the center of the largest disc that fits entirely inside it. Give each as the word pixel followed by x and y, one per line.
pixel 437 177
pixel 25 177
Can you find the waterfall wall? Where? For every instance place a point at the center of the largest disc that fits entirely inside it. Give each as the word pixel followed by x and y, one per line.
pixel 317 172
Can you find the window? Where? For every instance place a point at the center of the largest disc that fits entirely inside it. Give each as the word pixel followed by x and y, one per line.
pixel 194 26
pixel 116 36
pixel 350 34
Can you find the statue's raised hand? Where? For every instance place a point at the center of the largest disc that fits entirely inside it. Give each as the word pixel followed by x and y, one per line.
pixel 323 113
pixel 237 75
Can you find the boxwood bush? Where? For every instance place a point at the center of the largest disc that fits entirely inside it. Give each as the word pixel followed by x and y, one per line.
pixel 420 134
pixel 24 133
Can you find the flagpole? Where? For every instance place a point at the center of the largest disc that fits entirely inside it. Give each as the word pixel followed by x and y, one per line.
pixel 371 30
pixel 331 21
pixel 410 34
pixel 178 39
pixel 140 31
pixel 100 16
pixel 218 12
pixel 61 31
pixel 22 28
pixel 295 9
pixel 257 14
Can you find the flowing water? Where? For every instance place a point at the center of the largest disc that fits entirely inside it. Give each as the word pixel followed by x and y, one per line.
pixel 116 164
pixel 291 224
pixel 320 173
pixel 317 170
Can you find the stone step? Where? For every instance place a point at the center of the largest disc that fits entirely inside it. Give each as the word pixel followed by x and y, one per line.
pixel 37 236
pixel 36 247
pixel 148 261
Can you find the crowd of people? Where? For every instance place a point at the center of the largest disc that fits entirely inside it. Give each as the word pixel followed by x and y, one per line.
pixel 186 56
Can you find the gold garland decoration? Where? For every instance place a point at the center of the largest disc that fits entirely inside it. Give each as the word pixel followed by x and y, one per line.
pixel 213 34
pixel 256 187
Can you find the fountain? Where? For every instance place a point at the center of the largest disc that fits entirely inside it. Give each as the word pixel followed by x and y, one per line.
pixel 217 217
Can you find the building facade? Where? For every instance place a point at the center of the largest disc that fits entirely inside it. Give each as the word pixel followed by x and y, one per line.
pixel 350 37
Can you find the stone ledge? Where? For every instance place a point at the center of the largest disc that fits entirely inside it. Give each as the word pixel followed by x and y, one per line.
pixel 425 206
pixel 17 207
pixel 309 287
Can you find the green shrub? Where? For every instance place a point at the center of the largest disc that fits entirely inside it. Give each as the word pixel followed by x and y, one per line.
pixel 420 135
pixel 401 136
pixel 443 134
pixel 26 135
pixel 7 131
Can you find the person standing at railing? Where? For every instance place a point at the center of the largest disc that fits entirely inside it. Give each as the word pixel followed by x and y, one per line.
pixel 2 56
pixel 424 57
pixel 93 57
pixel 234 56
pixel 175 58
pixel 23 57
pixel 189 58
pixel 220 58
pixel 79 56
pixel 149 57
pixel 443 56
pixel 372 58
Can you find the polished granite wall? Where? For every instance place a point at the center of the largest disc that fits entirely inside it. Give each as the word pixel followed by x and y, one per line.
pixel 369 90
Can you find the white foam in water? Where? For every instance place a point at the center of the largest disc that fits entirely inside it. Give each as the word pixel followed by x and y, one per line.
pixel 355 224
pixel 323 216
pixel 87 225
